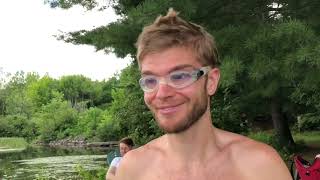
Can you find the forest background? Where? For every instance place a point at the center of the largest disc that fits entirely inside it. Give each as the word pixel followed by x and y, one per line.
pixel 270 64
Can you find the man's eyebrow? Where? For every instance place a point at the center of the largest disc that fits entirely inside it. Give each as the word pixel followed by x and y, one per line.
pixel 145 73
pixel 179 67
pixel 182 66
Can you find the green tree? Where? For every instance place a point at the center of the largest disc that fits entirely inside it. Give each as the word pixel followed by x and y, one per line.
pixel 261 47
pixel 76 89
pixel 41 91
pixel 270 69
pixel 103 97
pixel 16 106
pixel 89 4
pixel 17 101
pixel 108 128
pixel 303 10
pixel 87 123
pixel 128 108
pixel 56 119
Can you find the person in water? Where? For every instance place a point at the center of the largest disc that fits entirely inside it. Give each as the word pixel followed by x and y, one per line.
pixel 178 62
pixel 125 145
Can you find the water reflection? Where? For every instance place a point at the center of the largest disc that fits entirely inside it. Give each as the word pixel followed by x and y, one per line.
pixel 56 163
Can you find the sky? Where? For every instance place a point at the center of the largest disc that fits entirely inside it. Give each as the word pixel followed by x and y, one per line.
pixel 27 42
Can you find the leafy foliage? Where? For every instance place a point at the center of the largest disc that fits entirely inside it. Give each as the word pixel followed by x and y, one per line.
pixel 52 109
pixel 129 111
pixel 93 175
pixel 226 115
pixel 89 4
pixel 87 122
pixel 55 120
pixel 308 122
pixel 270 61
pixel 42 91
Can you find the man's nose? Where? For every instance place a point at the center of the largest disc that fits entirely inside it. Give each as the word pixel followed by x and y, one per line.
pixel 164 90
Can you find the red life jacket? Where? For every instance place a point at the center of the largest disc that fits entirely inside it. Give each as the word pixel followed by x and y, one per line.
pixel 306 170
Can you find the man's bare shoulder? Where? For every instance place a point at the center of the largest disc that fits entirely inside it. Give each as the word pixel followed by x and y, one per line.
pixel 241 145
pixel 262 160
pixel 150 149
pixel 136 161
pixel 255 159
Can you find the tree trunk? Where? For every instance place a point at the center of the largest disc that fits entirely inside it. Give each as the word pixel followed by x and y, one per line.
pixel 281 124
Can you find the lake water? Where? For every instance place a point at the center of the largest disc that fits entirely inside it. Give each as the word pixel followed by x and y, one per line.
pixel 52 163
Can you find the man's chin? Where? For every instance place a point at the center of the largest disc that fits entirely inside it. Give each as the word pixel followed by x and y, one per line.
pixel 170 128
pixel 165 124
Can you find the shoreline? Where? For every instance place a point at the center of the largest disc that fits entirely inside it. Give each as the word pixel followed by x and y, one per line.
pixel 5 149
pixel 79 143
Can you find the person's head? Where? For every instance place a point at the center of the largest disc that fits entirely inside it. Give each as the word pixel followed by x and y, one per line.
pixel 171 31
pixel 125 145
pixel 178 63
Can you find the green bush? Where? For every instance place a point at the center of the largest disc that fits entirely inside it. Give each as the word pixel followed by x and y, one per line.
pixel 227 113
pixel 6 129
pixel 262 137
pixel 108 128
pixel 54 120
pixel 16 126
pixel 309 121
pixel 87 123
pixel 84 174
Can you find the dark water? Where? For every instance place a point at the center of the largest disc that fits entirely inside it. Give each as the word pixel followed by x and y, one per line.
pixel 51 163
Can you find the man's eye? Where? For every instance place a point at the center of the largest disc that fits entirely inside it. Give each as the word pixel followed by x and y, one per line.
pixel 180 76
pixel 150 81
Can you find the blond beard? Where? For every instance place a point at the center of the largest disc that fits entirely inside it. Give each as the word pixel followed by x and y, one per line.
pixel 196 113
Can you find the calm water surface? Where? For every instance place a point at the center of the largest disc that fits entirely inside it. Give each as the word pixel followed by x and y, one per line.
pixel 52 163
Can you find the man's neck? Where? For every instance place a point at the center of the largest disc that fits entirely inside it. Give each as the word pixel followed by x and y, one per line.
pixel 193 143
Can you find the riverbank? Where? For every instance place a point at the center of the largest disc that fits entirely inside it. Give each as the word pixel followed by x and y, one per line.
pixel 10 150
pixel 79 142
pixel 10 144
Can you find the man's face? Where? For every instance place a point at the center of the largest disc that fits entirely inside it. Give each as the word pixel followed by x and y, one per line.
pixel 124 148
pixel 175 110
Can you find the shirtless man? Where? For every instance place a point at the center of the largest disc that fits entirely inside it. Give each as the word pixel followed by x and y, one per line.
pixel 178 64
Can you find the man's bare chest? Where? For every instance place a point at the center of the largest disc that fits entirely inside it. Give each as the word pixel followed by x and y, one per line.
pixel 223 171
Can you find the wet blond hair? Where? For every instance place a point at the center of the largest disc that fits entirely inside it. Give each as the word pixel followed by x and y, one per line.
pixel 172 31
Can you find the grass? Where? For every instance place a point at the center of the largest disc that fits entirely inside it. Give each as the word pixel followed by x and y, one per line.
pixel 262 137
pixel 308 143
pixel 301 138
pixel 10 143
pixel 312 137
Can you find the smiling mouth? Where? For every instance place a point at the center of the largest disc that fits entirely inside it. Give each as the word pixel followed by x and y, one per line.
pixel 168 109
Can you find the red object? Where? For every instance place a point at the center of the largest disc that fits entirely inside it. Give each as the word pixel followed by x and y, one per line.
pixel 306 170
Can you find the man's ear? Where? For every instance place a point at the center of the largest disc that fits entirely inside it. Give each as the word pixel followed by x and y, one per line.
pixel 213 81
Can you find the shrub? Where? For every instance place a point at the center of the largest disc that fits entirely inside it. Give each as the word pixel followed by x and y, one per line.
pixel 309 121
pixel 84 174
